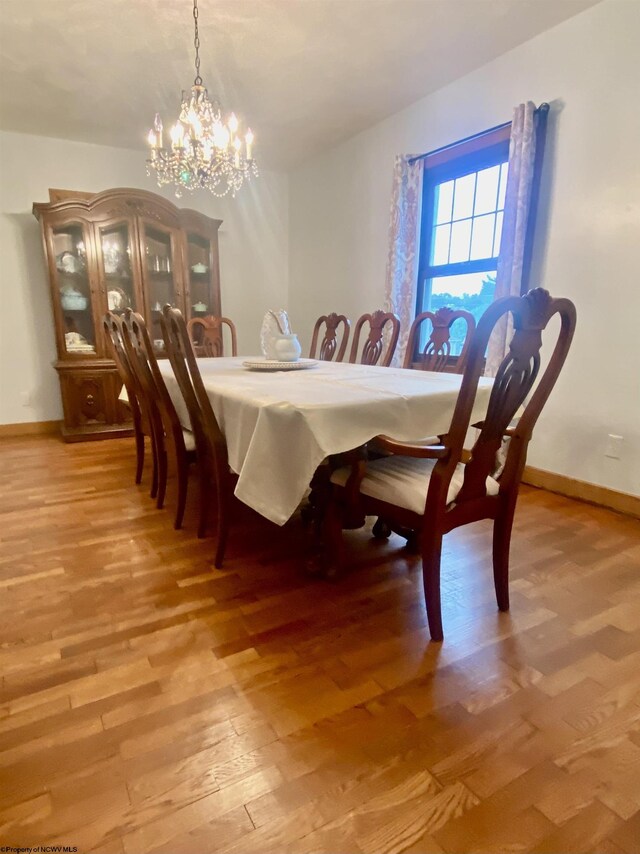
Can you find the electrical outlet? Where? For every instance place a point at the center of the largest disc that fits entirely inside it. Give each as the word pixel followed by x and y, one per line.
pixel 613 447
pixel 25 398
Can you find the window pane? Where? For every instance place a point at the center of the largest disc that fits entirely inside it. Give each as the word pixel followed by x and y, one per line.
pixel 444 201
pixel 463 196
pixel 460 239
pixel 462 287
pixel 504 171
pixel 440 250
pixel 498 235
pixel 482 238
pixel 486 190
pixel 471 291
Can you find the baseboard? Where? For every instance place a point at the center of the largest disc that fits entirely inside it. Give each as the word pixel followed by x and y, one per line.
pixel 623 502
pixel 29 428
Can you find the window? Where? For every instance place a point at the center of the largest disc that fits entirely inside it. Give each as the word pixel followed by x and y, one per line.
pixel 462 208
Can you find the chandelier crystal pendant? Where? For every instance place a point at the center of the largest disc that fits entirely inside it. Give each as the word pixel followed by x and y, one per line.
pixel 204 152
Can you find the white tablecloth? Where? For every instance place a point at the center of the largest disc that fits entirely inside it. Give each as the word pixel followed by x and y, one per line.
pixel 280 426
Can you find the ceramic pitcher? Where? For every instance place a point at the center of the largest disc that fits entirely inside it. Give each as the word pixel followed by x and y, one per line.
pixel 286 348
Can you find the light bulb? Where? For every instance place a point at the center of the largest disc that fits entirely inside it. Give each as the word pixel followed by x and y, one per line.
pixel 151 139
pixel 233 123
pixel 249 142
pixel 176 135
pixel 221 137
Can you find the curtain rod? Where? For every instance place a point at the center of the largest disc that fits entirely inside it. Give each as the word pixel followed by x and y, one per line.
pixel 543 108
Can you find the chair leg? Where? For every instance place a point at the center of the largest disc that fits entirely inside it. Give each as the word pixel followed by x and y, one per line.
pixel 431 554
pixel 182 467
pixel 501 542
pixel 154 476
pixel 162 476
pixel 223 519
pixel 334 545
pixel 139 453
pixel 204 489
pixel 413 543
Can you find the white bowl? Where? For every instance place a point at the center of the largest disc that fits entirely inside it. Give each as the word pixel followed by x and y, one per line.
pixel 73 302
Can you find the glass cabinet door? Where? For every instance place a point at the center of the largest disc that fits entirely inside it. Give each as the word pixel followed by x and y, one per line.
pixel 199 271
pixel 203 296
pixel 160 262
pixel 115 247
pixel 74 292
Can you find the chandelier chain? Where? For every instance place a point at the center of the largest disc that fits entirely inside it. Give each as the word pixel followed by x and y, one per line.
pixel 196 44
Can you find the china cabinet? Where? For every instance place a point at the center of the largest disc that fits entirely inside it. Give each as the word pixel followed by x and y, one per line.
pixel 110 251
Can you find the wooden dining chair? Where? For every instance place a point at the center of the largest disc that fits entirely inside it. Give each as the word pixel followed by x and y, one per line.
pixel 374 350
pixel 137 402
pixel 436 354
pixel 206 335
pixel 171 439
pixel 329 344
pixel 432 490
pixel 213 464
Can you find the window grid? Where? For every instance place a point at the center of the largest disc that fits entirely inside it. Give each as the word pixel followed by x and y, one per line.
pixel 496 211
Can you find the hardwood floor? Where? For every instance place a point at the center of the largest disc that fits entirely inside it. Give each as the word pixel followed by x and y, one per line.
pixel 151 703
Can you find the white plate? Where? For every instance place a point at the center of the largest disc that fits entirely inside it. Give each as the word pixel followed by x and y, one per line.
pixel 270 365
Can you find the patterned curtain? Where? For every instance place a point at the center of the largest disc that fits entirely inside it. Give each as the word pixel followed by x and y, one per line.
pixel 522 155
pixel 404 234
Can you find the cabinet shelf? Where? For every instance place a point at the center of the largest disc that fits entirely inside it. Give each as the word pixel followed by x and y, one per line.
pixel 72 277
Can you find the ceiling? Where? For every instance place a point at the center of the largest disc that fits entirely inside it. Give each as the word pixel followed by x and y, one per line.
pixel 305 73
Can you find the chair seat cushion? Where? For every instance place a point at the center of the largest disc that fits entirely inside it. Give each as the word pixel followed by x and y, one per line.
pixel 189 441
pixel 404 481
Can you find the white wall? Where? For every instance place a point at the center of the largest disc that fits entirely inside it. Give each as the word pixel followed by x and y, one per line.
pixel 589 221
pixel 253 255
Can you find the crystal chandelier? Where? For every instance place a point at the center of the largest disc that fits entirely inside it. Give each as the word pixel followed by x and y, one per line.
pixel 205 152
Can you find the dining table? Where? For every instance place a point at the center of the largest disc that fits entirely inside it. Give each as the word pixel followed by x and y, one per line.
pixel 281 425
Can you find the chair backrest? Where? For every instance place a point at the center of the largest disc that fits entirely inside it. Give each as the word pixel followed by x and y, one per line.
pixel 113 329
pixel 512 389
pixel 206 335
pixel 437 351
pixel 211 446
pixel 143 358
pixel 329 344
pixel 374 349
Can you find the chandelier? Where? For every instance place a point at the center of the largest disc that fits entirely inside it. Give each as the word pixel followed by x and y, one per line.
pixel 204 151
